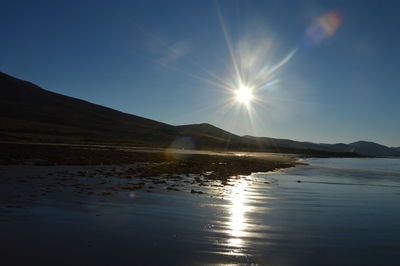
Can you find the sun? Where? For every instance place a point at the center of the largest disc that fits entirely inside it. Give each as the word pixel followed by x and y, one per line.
pixel 244 94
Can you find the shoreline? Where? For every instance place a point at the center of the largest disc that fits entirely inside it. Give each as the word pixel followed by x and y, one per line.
pixel 35 174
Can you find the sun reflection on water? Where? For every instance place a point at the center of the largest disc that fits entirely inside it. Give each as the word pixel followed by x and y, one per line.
pixel 237 226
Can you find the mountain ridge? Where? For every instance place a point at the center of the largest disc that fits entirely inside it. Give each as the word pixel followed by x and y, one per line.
pixel 29 112
pixel 367 148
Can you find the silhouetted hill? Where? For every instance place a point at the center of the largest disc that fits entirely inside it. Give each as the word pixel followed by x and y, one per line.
pixel 274 142
pixel 371 148
pixel 396 149
pixel 360 147
pixel 208 136
pixel 28 109
pixel 30 113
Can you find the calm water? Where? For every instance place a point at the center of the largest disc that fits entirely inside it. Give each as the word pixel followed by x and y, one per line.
pixel 342 212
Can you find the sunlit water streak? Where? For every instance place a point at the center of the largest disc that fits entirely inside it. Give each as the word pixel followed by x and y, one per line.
pixel 237 226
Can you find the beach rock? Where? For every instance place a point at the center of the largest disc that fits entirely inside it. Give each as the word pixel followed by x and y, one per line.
pixel 171 188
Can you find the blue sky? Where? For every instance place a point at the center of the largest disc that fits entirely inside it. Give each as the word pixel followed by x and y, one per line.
pixel 170 61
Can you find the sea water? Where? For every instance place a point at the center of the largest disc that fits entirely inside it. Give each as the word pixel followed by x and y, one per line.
pixel 329 212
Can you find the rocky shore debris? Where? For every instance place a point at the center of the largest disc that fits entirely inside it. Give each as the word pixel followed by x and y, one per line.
pixel 86 172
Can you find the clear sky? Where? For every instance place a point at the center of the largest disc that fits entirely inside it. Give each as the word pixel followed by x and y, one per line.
pixel 321 71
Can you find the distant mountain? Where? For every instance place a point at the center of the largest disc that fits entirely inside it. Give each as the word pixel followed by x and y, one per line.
pixel 284 143
pixel 371 148
pixel 30 113
pixel 396 149
pixel 360 147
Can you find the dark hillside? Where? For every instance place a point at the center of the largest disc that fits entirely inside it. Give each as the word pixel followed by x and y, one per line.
pixel 23 102
pixel 29 113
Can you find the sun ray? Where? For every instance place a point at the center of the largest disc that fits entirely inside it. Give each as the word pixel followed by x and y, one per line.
pixel 229 43
pixel 253 82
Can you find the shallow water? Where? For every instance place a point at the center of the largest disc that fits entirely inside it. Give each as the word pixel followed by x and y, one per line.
pixel 342 212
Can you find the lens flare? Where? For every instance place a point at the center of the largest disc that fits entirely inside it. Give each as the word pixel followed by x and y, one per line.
pixel 323 27
pixel 179 147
